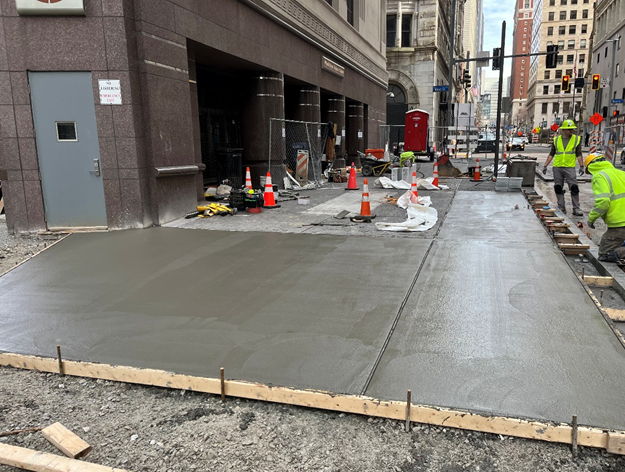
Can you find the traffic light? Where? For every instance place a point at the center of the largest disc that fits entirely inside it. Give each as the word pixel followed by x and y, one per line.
pixel 604 112
pixel 551 60
pixel 566 83
pixel 466 79
pixel 596 79
pixel 579 83
pixel 615 113
pixel 496 58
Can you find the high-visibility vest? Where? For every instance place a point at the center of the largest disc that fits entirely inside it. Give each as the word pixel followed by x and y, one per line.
pixel 608 185
pixel 566 157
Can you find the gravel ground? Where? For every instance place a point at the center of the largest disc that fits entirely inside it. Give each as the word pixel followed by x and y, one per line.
pixel 151 429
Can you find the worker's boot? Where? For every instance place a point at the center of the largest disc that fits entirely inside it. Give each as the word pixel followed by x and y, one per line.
pixel 577 211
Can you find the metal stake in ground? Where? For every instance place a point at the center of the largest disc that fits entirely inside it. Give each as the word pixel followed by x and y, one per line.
pixel 222 379
pixel 408 403
pixel 574 436
pixel 59 359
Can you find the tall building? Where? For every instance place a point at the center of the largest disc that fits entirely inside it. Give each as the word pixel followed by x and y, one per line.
pixel 418 45
pixel 523 15
pixel 473 40
pixel 489 99
pixel 608 60
pixel 567 24
pixel 116 112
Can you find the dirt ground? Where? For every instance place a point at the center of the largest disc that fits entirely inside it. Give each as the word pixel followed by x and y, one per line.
pixel 152 429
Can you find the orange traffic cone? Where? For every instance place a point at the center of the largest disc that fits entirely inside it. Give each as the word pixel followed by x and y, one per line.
pixel 414 193
pixel 351 182
pixel 365 206
pixel 248 178
pixel 268 196
pixel 435 174
pixel 477 171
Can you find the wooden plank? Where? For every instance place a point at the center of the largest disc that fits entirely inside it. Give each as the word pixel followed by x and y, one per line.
pixel 555 219
pixel 566 235
pixel 615 314
pixel 598 281
pixel 539 203
pixel 66 441
pixel 30 459
pixel 574 247
pixel 561 433
pixel 616 443
pixel 550 211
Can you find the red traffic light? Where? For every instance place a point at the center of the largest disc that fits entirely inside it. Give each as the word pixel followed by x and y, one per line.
pixel 596 79
pixel 566 83
pixel 615 113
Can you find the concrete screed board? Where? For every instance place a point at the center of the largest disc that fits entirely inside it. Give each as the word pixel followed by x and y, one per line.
pixel 496 322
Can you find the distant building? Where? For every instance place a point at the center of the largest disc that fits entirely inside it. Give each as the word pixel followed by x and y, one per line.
pixel 523 15
pixel 473 41
pixel 567 24
pixel 418 44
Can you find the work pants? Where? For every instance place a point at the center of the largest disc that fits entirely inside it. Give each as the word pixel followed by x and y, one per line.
pixel 611 246
pixel 568 175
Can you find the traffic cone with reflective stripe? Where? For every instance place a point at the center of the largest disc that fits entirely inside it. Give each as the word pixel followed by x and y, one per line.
pixel 268 196
pixel 414 193
pixel 351 182
pixel 435 174
pixel 248 178
pixel 365 205
pixel 477 176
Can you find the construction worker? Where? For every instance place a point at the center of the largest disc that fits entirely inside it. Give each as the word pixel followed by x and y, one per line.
pixel 608 185
pixel 566 148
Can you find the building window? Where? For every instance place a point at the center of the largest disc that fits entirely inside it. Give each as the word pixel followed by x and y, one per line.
pixel 545 89
pixel 565 107
pixel 569 58
pixel 547 75
pixel 605 52
pixel 562 15
pixel 556 89
pixel 555 108
pixel 573 2
pixel 350 12
pixel 618 68
pixel 544 107
pixel 584 13
pixel 549 43
pixel 552 3
pixel 572 29
pixel 582 58
pixel 573 15
pixel 551 16
pixel 406 24
pixel 585 1
pixel 526 4
pixel 580 72
pixel 569 72
pixel 550 31
pixel 561 29
pixel 571 44
pixel 584 29
pixel 560 59
pixel 391 26
pixel 598 56
pixel 561 44
pixel 558 74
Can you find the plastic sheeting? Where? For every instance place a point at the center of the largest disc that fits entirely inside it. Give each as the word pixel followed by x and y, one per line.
pixel 420 218
pixel 426 184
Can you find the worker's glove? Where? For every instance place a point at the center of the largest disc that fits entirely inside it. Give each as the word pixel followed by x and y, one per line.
pixel 591 224
pixel 581 171
pixel 545 170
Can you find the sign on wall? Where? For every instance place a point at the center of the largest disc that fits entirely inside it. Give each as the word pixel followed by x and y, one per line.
pixel 110 92
pixel 50 7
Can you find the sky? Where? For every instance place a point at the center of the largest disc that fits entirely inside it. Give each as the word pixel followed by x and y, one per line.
pixel 496 11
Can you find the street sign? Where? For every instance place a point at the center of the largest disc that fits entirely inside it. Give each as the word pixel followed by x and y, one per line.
pixel 554 127
pixel 604 82
pixel 440 88
pixel 596 119
pixel 617 100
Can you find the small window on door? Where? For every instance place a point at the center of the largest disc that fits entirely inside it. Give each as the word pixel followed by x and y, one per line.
pixel 66 131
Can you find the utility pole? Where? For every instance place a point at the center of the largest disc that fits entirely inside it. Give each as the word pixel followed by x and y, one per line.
pixel 499 95
pixel 452 64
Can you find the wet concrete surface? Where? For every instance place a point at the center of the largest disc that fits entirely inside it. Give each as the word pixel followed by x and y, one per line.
pixel 298 310
pixel 496 320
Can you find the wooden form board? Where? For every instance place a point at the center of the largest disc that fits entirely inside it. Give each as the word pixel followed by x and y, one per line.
pixel 29 459
pixel 65 441
pixel 561 433
pixel 598 281
pixel 615 314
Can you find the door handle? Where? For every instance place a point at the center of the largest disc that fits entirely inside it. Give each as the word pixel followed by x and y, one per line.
pixel 96 167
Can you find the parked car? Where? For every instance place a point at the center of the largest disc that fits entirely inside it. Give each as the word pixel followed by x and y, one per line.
pixel 486 145
pixel 516 144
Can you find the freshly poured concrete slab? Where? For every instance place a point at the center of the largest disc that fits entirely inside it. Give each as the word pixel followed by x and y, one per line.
pixel 492 216
pixel 295 310
pixel 350 200
pixel 503 327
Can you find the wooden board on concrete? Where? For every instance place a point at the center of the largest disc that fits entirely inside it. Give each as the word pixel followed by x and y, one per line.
pixel 30 459
pixel 615 314
pixel 552 432
pixel 616 443
pixel 66 441
pixel 598 281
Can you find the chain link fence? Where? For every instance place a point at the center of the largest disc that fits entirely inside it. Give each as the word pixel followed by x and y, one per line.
pixel 296 151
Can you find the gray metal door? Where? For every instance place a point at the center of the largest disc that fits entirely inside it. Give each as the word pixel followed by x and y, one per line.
pixel 68 149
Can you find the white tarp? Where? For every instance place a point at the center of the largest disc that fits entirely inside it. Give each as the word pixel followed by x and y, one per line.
pixel 420 218
pixel 426 184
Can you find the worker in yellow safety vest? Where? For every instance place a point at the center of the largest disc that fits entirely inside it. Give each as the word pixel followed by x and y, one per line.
pixel 565 150
pixel 608 185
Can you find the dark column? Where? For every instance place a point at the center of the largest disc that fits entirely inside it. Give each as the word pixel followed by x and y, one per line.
pixel 355 130
pixel 195 117
pixel 336 114
pixel 308 108
pixel 267 102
